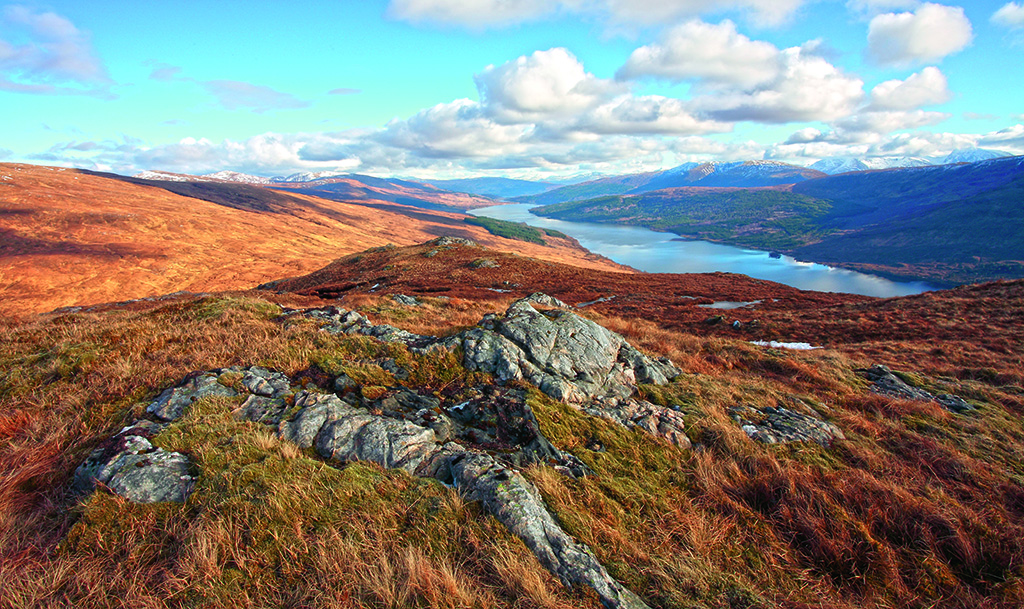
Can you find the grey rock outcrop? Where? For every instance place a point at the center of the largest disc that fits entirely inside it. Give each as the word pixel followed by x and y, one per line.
pixel 566 356
pixel 171 404
pixel 517 504
pixel 136 470
pixel 655 420
pixel 408 301
pixel 885 382
pixel 777 425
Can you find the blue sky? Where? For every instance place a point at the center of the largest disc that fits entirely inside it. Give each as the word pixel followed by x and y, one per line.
pixel 523 88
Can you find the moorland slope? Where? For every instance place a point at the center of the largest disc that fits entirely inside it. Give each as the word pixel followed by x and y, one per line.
pixel 756 476
pixel 70 237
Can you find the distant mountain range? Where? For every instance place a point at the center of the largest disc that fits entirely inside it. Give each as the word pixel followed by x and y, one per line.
pixel 845 164
pixel 497 188
pixel 709 175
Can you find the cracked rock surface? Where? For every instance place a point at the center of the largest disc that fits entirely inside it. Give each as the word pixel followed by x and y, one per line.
pixel 778 425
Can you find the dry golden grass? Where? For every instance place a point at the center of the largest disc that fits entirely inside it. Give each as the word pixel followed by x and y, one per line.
pixel 916 508
pixel 269 527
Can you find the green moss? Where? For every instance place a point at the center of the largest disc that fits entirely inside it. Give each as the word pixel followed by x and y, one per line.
pixel 209 308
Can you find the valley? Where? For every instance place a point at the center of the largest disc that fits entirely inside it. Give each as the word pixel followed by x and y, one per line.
pixel 949 224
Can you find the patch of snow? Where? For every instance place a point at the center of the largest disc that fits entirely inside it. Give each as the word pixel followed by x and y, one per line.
pixel 777 345
pixel 588 303
pixel 728 304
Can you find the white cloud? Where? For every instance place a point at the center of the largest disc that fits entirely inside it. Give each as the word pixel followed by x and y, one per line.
pixel 651 115
pixel 806 88
pixel 234 95
pixel 930 33
pixel 1010 139
pixel 479 14
pixel 699 50
pixel 458 129
pixel 925 88
pixel 1011 15
pixel 769 12
pixel 882 122
pixel 545 85
pixel 58 58
pixel 470 13
pixel 923 144
pixel 871 8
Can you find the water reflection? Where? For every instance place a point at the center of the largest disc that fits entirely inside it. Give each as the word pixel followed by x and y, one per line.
pixel 656 252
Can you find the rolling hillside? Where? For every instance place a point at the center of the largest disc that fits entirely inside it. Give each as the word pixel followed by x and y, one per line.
pixel 70 237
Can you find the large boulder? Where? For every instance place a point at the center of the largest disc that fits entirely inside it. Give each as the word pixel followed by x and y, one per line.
pixel 566 356
pixel 136 470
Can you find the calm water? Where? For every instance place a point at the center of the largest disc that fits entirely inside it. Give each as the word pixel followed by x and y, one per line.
pixel 656 252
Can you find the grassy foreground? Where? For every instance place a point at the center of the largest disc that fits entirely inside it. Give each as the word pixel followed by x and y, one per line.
pixel 917 508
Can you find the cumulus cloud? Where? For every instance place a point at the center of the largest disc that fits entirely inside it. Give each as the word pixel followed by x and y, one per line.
pixel 459 129
pixel 234 94
pixel 344 91
pixel 806 88
pixel 56 59
pixel 712 53
pixel 545 85
pixel 1010 139
pixel 769 12
pixel 1010 15
pixel 650 115
pixel 923 144
pixel 925 88
pixel 930 33
pixel 882 122
pixel 480 14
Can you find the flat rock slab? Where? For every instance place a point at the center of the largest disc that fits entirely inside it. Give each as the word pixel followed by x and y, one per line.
pixel 138 471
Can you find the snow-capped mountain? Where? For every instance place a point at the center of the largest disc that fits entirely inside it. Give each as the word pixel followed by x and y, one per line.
pixel 972 155
pixel 308 176
pixel 164 176
pixel 235 176
pixel 834 165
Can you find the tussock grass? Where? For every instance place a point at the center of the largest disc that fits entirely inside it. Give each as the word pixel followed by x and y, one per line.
pixel 916 508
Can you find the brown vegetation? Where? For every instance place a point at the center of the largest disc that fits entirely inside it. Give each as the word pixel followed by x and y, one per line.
pixel 72 238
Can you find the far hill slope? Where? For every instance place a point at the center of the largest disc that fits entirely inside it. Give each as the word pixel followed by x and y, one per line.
pixel 69 237
pixel 471 271
pixel 499 188
pixel 347 187
pixel 749 174
pixel 948 224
